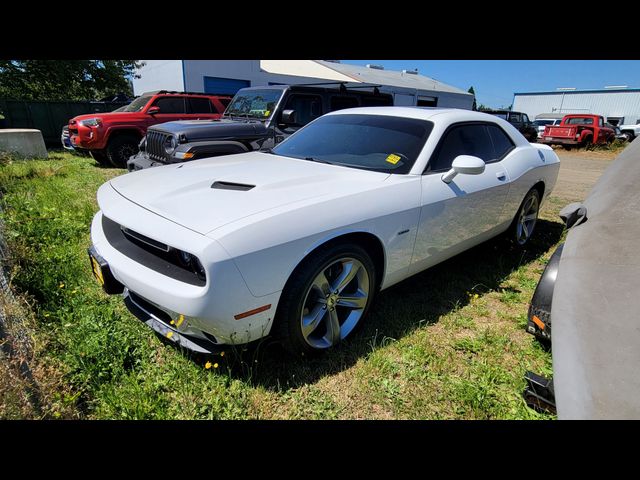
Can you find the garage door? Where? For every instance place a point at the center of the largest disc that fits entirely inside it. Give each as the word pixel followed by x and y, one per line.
pixel 224 85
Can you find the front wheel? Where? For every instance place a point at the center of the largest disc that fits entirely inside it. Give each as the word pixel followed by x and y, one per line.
pixel 325 299
pixel 100 157
pixel 526 218
pixel 121 148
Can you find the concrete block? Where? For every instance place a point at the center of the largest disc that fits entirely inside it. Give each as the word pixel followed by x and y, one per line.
pixel 22 143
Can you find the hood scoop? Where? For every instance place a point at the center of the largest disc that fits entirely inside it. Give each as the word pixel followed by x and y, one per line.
pixel 231 186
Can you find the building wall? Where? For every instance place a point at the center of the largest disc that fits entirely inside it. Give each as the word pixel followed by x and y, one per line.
pixel 159 75
pixel 608 104
pixel 196 70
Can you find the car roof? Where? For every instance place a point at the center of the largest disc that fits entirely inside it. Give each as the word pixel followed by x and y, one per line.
pixel 424 113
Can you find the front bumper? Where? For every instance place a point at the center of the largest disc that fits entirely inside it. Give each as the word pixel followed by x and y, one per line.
pixel 207 310
pixel 141 161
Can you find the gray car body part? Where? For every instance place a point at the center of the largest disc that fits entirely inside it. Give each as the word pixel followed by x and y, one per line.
pixel 596 301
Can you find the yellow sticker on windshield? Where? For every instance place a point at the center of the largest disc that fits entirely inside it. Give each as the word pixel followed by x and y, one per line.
pixel 393 159
pixel 267 113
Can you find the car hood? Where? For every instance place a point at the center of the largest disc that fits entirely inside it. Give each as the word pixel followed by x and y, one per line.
pixel 109 116
pixel 194 130
pixel 206 194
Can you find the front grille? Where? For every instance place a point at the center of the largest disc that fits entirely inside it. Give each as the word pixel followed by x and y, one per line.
pixel 155 145
pixel 151 256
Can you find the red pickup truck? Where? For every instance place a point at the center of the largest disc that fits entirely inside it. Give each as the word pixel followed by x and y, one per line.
pixel 578 131
pixel 113 137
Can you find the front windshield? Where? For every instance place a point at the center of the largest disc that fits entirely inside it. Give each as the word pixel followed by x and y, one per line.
pixel 502 115
pixel 137 105
pixel 542 123
pixel 254 103
pixel 373 142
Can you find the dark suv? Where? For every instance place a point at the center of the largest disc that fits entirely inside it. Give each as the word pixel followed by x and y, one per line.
pixel 256 119
pixel 519 120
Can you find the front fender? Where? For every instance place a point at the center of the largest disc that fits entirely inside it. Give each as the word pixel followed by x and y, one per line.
pixel 539 316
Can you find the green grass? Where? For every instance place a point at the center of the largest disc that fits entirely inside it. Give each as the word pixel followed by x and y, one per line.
pixel 447 343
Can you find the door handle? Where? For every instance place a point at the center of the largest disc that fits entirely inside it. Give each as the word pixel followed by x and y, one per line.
pixel 501 176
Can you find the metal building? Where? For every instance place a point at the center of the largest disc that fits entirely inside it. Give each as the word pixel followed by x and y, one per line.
pixel 618 105
pixel 228 76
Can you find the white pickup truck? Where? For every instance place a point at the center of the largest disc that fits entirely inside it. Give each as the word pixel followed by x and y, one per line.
pixel 632 131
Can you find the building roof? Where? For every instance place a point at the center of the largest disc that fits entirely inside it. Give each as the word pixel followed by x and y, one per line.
pixel 570 92
pixel 390 77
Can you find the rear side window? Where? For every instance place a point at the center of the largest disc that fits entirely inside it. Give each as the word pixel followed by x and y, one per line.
pixel 199 105
pixel 171 105
pixel 341 102
pixel 224 101
pixel 502 144
pixel 472 139
pixel 377 101
pixel 307 107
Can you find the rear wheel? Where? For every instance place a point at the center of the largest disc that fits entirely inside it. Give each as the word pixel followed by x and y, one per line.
pixel 121 148
pixel 566 147
pixel 587 143
pixel 325 299
pixel 526 218
pixel 101 157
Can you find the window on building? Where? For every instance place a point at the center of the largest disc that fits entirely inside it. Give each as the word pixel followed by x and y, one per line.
pixel 171 105
pixel 427 101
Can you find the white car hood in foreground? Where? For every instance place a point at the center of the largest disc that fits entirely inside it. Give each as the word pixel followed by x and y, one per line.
pixel 182 193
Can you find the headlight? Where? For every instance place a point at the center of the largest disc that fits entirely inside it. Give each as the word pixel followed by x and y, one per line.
pixel 170 145
pixel 191 262
pixel 91 122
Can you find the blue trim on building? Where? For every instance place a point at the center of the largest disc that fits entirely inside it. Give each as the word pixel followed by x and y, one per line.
pixel 184 78
pixel 569 92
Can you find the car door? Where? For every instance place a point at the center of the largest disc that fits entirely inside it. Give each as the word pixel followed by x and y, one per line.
pixel 470 209
pixel 172 108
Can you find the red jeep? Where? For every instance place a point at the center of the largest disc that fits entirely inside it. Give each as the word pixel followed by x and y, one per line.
pixel 578 131
pixel 113 137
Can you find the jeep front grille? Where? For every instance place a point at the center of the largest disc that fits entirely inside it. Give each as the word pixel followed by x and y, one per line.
pixel 155 145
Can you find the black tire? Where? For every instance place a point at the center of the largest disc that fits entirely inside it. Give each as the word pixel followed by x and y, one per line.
pixel 514 233
pixel 587 143
pixel 120 148
pixel 299 289
pixel 101 157
pixel 566 147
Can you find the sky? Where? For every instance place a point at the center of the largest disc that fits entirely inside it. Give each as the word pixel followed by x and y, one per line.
pixel 495 81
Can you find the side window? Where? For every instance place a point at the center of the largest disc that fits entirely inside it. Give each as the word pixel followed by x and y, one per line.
pixel 502 144
pixel 340 102
pixel 199 105
pixel 377 101
pixel 307 107
pixel 225 101
pixel 515 117
pixel 525 118
pixel 170 104
pixel 600 122
pixel 462 140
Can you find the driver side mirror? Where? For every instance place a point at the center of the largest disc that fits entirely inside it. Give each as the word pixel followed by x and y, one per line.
pixel 465 164
pixel 288 117
pixel 153 110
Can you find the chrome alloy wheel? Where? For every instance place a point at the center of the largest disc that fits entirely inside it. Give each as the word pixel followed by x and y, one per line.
pixel 527 219
pixel 334 302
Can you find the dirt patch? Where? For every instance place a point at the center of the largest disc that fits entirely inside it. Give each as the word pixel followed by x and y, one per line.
pixel 579 171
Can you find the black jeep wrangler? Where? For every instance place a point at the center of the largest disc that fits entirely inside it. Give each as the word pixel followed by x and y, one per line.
pixel 256 119
pixel 519 120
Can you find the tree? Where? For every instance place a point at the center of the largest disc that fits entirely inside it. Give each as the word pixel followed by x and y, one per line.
pixel 65 79
pixel 473 92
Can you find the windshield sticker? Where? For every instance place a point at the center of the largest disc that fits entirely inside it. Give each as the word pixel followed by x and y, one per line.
pixel 393 159
pixel 267 113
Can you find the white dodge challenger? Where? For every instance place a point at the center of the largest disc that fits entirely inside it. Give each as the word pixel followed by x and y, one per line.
pixel 296 242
